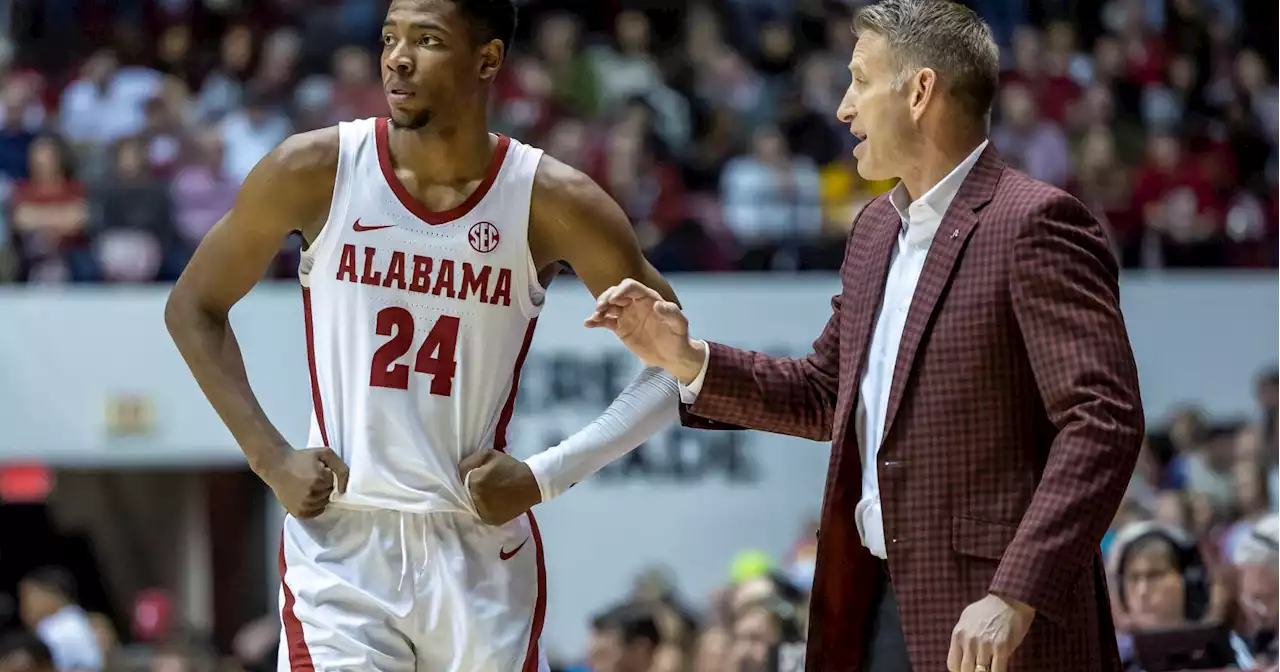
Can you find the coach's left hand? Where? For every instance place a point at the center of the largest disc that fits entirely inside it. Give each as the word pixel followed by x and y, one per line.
pixel 988 633
pixel 501 487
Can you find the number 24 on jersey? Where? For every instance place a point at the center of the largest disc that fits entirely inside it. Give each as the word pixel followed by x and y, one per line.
pixel 436 357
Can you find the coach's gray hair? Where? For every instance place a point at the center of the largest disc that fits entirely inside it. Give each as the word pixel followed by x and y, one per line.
pixel 944 36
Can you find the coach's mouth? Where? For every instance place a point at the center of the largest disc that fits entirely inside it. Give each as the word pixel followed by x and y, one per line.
pixel 860 137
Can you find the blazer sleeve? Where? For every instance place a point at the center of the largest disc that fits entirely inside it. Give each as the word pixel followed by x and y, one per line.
pixel 1066 301
pixel 750 390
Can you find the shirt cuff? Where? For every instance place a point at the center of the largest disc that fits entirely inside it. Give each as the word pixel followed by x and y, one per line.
pixel 689 393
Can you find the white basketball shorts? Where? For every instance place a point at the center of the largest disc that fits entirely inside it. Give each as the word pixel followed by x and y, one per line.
pixel 375 589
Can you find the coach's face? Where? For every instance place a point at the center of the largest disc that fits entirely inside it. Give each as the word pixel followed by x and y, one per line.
pixel 877 114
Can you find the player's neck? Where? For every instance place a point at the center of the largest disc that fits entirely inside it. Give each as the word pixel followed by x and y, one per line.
pixel 444 154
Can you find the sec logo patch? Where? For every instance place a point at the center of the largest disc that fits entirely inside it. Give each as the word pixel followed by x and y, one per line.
pixel 483 237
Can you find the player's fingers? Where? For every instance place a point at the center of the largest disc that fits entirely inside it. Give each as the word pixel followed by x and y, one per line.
pixel 309 510
pixel 472 461
pixel 320 489
pixel 337 468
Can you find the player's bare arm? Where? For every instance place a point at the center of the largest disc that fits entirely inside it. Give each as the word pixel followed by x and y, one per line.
pixel 572 221
pixel 288 191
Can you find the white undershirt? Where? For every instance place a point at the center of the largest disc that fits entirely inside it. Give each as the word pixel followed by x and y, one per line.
pixel 920 221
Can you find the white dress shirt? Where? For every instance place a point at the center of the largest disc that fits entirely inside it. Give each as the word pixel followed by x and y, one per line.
pixel 920 221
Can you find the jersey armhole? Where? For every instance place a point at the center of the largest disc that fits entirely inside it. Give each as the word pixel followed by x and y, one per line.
pixel 348 148
pixel 535 297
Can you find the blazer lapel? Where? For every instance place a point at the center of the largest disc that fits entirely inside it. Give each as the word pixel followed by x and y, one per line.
pixel 944 253
pixel 870 254
pixel 866 268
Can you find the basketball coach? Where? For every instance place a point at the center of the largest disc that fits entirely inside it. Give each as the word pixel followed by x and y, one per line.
pixel 975 380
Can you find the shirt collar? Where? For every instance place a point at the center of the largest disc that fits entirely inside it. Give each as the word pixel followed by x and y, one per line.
pixel 934 203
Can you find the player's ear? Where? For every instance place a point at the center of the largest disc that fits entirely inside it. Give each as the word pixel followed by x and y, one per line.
pixel 491 55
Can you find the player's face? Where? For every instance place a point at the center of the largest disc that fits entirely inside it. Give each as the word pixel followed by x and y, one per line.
pixel 432 67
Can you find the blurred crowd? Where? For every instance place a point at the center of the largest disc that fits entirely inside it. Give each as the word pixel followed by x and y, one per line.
pixel 126 127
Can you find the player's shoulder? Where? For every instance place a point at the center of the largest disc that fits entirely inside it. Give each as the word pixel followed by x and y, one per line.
pixel 312 155
pixel 556 180
pixel 294 179
pixel 560 189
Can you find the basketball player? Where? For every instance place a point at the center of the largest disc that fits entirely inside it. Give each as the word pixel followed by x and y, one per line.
pixel 429 241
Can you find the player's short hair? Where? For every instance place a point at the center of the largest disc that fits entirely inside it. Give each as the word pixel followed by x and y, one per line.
pixel 21 641
pixel 632 622
pixel 944 36
pixel 53 580
pixel 490 20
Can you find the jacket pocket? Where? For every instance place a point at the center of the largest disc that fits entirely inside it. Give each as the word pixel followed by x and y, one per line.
pixel 980 538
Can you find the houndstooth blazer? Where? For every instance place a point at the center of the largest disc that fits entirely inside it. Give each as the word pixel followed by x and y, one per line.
pixel 1013 425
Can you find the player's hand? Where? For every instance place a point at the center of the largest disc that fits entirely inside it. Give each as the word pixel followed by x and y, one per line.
pixel 501 487
pixel 988 633
pixel 304 479
pixel 651 327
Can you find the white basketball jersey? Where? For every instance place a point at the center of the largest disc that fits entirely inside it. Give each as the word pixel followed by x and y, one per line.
pixel 417 322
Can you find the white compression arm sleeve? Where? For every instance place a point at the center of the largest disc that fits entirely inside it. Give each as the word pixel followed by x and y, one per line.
pixel 645 407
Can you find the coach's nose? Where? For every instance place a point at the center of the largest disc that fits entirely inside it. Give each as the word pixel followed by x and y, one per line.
pixel 847 110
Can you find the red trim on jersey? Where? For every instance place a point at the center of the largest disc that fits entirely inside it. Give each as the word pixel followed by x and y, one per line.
pixel 295 643
pixel 509 408
pixel 316 402
pixel 382 140
pixel 540 604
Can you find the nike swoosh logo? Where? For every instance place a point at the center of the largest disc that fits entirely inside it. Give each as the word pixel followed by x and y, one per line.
pixel 504 555
pixel 360 227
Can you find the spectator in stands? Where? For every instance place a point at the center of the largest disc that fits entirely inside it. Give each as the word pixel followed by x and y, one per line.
pixel 623 639
pixel 575 85
pixel 16 137
pixel 250 132
pixel 47 605
pixel 201 192
pixel 135 232
pixel 1256 558
pixel 758 631
pixel 24 652
pixel 224 87
pixel 1162 583
pixel 1029 143
pixel 353 90
pixel 771 195
pixel 50 217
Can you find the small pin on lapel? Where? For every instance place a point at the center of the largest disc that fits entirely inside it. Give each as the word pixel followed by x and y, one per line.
pixel 955 234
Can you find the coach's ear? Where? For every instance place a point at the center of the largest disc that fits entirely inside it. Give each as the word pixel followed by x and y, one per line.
pixel 491 56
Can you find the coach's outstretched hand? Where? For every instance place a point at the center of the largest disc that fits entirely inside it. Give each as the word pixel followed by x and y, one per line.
pixel 651 327
pixel 304 479
pixel 501 486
